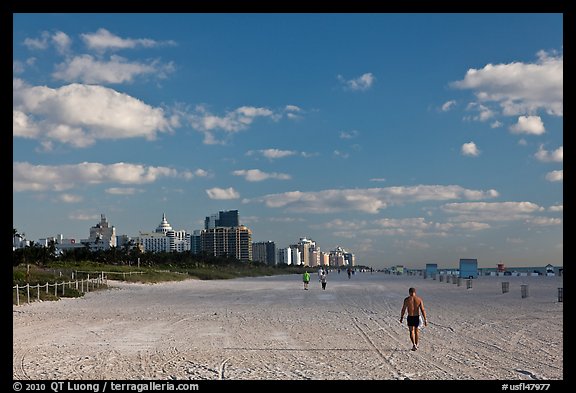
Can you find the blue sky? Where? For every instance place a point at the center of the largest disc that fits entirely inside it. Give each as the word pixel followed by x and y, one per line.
pixel 404 138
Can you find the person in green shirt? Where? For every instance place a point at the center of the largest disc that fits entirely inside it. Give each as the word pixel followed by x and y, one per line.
pixel 306 279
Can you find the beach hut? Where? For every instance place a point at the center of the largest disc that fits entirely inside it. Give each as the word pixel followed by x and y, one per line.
pixel 468 268
pixel 550 270
pixel 431 269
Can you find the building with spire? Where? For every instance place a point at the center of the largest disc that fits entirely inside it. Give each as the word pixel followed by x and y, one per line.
pixel 164 239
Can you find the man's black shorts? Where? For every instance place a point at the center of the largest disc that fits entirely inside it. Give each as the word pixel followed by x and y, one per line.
pixel 413 320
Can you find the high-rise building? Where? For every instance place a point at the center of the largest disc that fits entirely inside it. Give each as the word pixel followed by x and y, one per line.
pixel 228 241
pixel 264 252
pixel 341 257
pixel 285 256
pixel 228 218
pixel 102 236
pixel 165 239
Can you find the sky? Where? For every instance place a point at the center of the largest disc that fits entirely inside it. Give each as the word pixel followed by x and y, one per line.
pixel 403 138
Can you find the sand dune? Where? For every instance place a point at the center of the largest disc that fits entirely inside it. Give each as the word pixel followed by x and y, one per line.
pixel 270 328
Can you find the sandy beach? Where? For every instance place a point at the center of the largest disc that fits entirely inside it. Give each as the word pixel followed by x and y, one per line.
pixel 270 328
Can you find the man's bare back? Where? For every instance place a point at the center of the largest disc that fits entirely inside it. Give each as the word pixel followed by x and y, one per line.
pixel 413 304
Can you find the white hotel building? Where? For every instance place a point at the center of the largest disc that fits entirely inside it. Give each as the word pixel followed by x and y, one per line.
pixel 165 239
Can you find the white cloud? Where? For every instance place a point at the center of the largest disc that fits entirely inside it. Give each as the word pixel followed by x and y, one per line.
pixel 122 190
pixel 370 200
pixel 338 153
pixel 38 43
pixel 60 40
pixel 556 208
pixel 496 124
pixel 528 125
pixel 70 198
pixel 484 113
pixel 547 156
pixel 470 149
pixel 448 105
pixel 103 40
pixel 273 153
pixel 84 217
pixel 544 221
pixel 87 69
pixel 254 175
pixel 555 176
pixel 231 122
pixel 363 82
pixel 79 115
pixel 222 193
pixel 491 211
pixel 349 134
pixel 29 177
pixel 518 87
pixel 378 179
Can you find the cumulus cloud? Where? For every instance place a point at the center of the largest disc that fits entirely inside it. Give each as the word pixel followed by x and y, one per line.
pixel 349 134
pixel 87 69
pixel 448 105
pixel 60 40
pixel 484 113
pixel 556 208
pixel 370 200
pixel 491 211
pixel 520 88
pixel 470 149
pixel 272 154
pixel 254 175
pixel 70 198
pixel 293 112
pixel 544 221
pixel 103 40
pixel 362 83
pixel 528 125
pixel 496 124
pixel 78 114
pixel 222 193
pixel 555 176
pixel 122 190
pixel 233 121
pixel 29 177
pixel 550 156
pixel 84 217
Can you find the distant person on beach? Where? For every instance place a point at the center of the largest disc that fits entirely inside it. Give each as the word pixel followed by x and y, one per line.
pixel 349 272
pixel 306 279
pixel 320 272
pixel 414 305
pixel 323 280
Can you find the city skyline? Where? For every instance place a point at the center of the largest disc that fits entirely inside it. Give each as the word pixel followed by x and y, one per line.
pixel 405 138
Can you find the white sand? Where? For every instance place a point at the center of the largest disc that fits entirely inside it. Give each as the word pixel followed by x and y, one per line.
pixel 270 328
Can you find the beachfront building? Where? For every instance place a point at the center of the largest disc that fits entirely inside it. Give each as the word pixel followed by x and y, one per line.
pixel 196 242
pixel 296 255
pixel 164 239
pixel 469 268
pixel 227 218
pixel 264 252
pixel 305 246
pixel 284 256
pixel 340 257
pixel 228 241
pixel 102 236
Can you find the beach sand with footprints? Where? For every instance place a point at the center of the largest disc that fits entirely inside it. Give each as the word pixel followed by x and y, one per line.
pixel 270 328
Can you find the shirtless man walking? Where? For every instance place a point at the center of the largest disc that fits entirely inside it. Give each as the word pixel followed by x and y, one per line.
pixel 414 304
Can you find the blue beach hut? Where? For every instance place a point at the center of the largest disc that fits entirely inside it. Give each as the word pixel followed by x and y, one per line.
pixel 468 268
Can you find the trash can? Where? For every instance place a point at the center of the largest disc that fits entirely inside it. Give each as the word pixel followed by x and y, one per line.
pixel 524 290
pixel 561 295
pixel 505 287
pixel 468 284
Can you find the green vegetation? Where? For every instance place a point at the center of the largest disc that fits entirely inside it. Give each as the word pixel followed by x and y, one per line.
pixel 37 266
